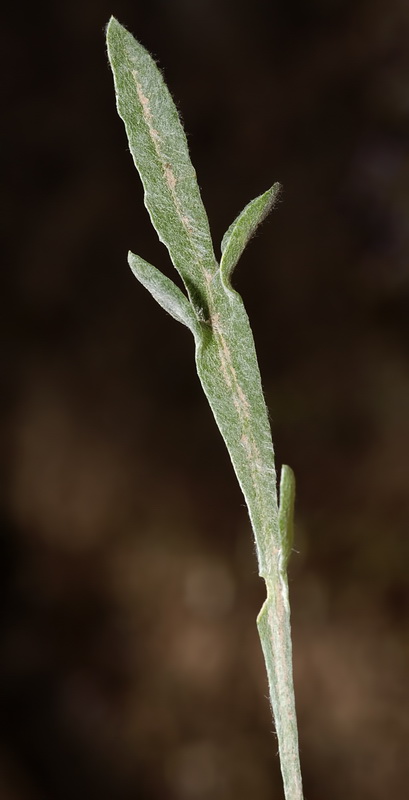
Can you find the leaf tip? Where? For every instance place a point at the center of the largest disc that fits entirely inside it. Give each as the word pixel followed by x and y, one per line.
pixel 114 30
pixel 134 263
pixel 274 193
pixel 111 25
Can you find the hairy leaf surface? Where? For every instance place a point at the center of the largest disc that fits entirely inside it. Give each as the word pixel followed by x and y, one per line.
pixel 225 354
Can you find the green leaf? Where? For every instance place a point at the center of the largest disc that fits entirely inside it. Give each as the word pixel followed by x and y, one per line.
pixel 167 294
pixel 159 148
pixel 243 228
pixel 286 512
pixel 227 366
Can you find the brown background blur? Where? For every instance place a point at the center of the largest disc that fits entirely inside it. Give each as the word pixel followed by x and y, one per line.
pixel 129 659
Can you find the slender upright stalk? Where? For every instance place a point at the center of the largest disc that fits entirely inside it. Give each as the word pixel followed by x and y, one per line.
pixel 226 359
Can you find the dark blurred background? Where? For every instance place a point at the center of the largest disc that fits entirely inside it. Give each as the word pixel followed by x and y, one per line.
pixel 129 660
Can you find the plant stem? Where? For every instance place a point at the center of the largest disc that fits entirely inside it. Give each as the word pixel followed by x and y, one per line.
pixel 226 359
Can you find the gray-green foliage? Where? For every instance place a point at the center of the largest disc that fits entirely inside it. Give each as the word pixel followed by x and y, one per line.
pixel 225 355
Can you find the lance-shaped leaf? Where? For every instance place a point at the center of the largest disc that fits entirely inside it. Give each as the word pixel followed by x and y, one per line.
pixel 165 292
pixel 158 145
pixel 243 228
pixel 227 365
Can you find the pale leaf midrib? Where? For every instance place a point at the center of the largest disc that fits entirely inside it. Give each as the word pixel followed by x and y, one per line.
pixel 242 408
pixel 168 174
